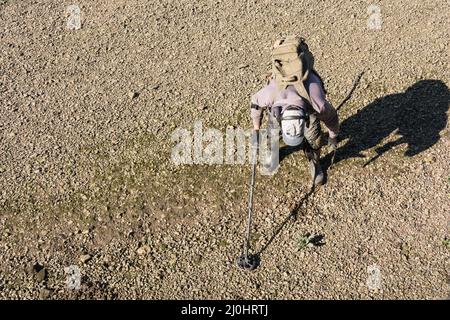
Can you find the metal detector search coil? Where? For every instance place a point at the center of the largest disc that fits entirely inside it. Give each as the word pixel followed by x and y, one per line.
pixel 248 262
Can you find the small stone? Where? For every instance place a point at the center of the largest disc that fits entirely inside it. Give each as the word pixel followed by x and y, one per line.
pixel 45 293
pixel 430 159
pixel 143 250
pixel 37 271
pixel 133 94
pixel 197 259
pixel 41 275
pixel 85 258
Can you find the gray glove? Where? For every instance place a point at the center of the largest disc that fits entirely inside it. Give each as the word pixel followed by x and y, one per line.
pixel 332 142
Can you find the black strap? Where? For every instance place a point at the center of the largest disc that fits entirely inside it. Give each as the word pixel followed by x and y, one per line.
pixel 294 118
pixel 255 106
pixel 305 117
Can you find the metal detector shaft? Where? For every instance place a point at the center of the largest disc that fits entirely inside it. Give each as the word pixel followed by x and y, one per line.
pixel 250 195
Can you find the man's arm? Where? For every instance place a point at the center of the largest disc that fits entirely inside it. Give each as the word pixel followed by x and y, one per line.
pixel 261 100
pixel 325 111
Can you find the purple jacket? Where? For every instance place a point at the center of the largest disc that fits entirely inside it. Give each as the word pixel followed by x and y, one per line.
pixel 289 97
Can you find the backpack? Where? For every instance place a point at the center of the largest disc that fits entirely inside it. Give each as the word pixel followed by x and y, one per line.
pixel 292 62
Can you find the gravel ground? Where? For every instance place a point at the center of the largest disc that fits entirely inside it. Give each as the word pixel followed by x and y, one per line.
pixel 86 178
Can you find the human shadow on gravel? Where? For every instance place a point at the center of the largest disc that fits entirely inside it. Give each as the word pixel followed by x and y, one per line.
pixel 416 116
pixel 292 217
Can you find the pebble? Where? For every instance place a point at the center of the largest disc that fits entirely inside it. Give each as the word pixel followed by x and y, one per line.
pixel 133 94
pixel 143 250
pixel 85 258
pixel 45 293
pixel 41 275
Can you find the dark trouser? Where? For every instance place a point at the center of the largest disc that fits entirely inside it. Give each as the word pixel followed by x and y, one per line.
pixel 313 132
pixel 312 149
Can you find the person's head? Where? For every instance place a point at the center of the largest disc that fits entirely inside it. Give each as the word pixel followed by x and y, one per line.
pixel 293 122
